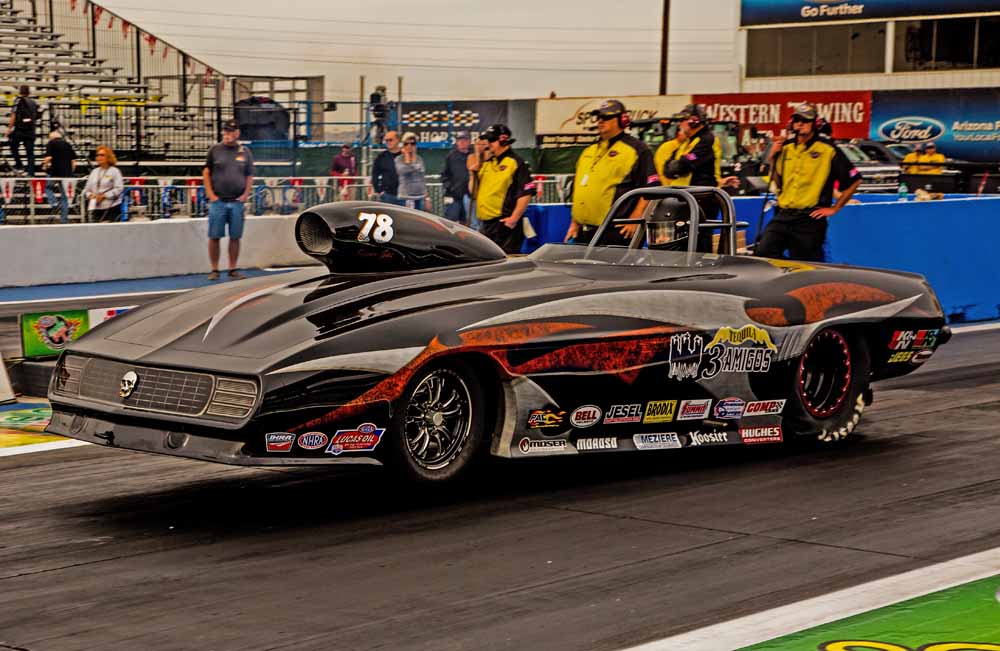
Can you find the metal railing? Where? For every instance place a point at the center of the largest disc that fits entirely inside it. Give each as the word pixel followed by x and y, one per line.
pixel 39 200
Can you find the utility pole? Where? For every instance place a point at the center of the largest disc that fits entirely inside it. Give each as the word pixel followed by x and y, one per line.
pixel 664 45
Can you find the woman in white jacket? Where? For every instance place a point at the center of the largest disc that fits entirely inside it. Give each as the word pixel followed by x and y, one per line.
pixel 104 188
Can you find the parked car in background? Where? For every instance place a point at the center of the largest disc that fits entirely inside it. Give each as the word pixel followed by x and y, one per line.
pixel 879 176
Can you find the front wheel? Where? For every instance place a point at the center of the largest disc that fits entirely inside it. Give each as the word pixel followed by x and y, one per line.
pixel 440 424
pixel 831 383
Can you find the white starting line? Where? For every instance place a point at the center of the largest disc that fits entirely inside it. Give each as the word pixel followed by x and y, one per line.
pixel 40 447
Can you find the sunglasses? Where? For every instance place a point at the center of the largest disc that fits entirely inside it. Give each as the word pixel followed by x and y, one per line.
pixel 604 118
pixel 798 118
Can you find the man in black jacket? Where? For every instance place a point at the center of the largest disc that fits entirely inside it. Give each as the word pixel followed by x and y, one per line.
pixel 694 163
pixel 455 180
pixel 385 182
pixel 22 128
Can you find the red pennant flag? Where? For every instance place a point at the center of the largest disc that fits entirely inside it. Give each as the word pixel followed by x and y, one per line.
pixel 8 188
pixel 111 21
pixel 97 13
pixel 207 79
pixel 152 42
pixel 72 6
pixel 125 29
pixel 38 186
pixel 69 187
pixel 166 50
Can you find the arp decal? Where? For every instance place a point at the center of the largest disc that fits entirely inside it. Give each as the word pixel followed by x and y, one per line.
pixel 902 356
pixel 914 339
pixel 769 434
pixel 585 416
pixel 364 438
pixel 694 409
pixel 659 411
pixel 619 414
pixel 764 408
pixel 729 408
pixel 746 350
pixel 686 350
pixel 529 446
pixel 665 441
pixel 714 437
pixel 279 441
pixel 597 443
pixel 313 440
pixel 542 418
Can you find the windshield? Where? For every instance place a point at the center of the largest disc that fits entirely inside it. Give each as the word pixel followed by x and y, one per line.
pixel 621 256
pixel 854 154
pixel 900 149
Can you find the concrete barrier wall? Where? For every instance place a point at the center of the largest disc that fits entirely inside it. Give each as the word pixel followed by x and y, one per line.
pixel 71 253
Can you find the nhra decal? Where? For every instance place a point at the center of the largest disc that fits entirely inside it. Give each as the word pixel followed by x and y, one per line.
pixel 541 418
pixel 665 441
pixel 597 443
pixel 527 446
pixel 685 356
pixel 764 408
pixel 279 441
pixel 729 408
pixel 715 437
pixel 585 416
pixel 770 434
pixel 694 409
pixel 659 411
pixel 362 439
pixel 313 440
pixel 728 354
pixel 618 414
pixel 914 339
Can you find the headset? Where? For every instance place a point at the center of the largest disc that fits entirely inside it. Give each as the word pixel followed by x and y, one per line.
pixel 624 120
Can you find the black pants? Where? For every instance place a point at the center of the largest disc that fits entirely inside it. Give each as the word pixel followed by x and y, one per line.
pixel 16 138
pixel 795 231
pixel 508 239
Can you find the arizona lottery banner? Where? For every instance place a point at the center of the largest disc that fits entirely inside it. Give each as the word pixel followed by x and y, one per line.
pixel 774 12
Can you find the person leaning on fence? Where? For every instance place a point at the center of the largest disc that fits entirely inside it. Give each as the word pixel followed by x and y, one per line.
pixel 228 178
pixel 22 128
pixel 385 181
pixel 455 179
pixel 505 190
pixel 60 163
pixel 931 156
pixel 104 189
pixel 344 165
pixel 412 175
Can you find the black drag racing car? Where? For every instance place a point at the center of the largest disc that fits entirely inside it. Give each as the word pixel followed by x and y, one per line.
pixel 423 347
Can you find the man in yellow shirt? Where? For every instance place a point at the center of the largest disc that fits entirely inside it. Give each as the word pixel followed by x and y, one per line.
pixel 504 192
pixel 931 156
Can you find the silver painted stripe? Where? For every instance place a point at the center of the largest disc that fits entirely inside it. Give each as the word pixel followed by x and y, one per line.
pixel 221 314
pixel 379 361
pixel 40 447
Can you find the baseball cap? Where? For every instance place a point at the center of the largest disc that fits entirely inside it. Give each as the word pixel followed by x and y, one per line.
pixel 230 125
pixel 499 132
pixel 805 110
pixel 461 134
pixel 692 111
pixel 609 108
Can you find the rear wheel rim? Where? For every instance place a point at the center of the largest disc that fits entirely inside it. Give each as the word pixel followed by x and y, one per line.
pixel 438 420
pixel 825 374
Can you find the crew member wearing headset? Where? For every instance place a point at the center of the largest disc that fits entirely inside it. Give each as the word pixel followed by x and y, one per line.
pixel 614 165
pixel 805 170
pixel 504 192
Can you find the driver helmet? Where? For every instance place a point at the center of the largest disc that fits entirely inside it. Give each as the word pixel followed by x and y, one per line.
pixel 667 226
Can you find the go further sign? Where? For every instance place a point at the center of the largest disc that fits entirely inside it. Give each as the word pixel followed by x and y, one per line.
pixel 754 13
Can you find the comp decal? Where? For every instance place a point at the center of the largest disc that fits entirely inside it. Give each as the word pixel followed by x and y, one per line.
pixel 363 438
pixel 764 408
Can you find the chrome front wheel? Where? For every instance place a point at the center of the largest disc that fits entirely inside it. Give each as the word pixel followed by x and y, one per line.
pixel 438 419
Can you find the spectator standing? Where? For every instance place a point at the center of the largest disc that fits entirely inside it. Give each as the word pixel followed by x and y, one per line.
pixel 614 165
pixel 911 159
pixel 22 128
pixel 228 179
pixel 60 162
pixel 455 180
pixel 505 190
pixel 805 170
pixel 344 165
pixel 104 188
pixel 385 181
pixel 412 174
pixel 473 163
pixel 932 156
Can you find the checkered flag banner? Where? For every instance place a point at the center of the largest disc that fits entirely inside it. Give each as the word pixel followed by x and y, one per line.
pixel 437 119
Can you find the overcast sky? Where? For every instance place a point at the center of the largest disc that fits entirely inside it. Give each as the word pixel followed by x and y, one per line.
pixel 442 48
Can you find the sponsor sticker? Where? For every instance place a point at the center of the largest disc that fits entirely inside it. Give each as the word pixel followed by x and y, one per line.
pixel 664 441
pixel 902 356
pixel 769 434
pixel 597 443
pixel 764 408
pixel 914 339
pixel 618 414
pixel 745 350
pixel 714 437
pixel 362 439
pixel 279 441
pixel 541 418
pixel 660 411
pixel 529 446
pixel 313 440
pixel 729 408
pixel 585 416
pixel 685 355
pixel 921 356
pixel 694 409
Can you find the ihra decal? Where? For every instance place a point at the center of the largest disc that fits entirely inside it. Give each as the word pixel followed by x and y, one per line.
pixel 279 441
pixel 914 339
pixel 618 414
pixel 541 418
pixel 747 350
pixel 685 356
pixel 313 440
pixel 362 439
pixel 597 443
pixel 694 409
pixel 659 411
pixel 585 416
pixel 764 408
pixel 665 441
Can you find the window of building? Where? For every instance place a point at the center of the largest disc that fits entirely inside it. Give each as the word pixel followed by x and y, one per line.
pixel 947 44
pixel 820 50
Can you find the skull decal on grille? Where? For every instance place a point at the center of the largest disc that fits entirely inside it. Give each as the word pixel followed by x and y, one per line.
pixel 127 385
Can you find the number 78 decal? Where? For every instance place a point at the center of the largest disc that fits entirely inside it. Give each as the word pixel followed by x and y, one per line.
pixel 380 223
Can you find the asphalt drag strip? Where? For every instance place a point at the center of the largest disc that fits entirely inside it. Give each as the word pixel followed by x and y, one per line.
pixel 115 550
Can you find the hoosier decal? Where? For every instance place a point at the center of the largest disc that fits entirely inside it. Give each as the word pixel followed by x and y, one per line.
pixel 747 350
pixel 715 437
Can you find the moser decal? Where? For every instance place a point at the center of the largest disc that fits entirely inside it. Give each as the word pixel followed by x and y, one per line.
pixel 913 339
pixel 694 409
pixel 597 443
pixel 770 434
pixel 279 441
pixel 585 416
pixel 665 441
pixel 729 408
pixel 618 414
pixel 362 439
pixel 764 408
pixel 744 350
pixel 313 440
pixel 529 446
pixel 714 437
pixel 541 418
pixel 659 411
pixel 686 350
pixel 911 129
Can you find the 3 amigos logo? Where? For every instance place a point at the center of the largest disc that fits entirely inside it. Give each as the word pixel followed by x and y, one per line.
pixel 911 129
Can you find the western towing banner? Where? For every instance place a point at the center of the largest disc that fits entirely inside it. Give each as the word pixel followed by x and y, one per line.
pixel 774 12
pixel 965 123
pixel 848 112
pixel 567 122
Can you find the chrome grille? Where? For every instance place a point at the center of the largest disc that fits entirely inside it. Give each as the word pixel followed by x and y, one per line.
pixel 175 392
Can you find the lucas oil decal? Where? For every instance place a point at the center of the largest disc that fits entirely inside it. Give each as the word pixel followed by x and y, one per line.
pixel 746 350
pixel 362 439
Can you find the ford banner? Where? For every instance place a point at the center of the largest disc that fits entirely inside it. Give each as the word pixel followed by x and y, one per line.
pixel 773 12
pixel 965 124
